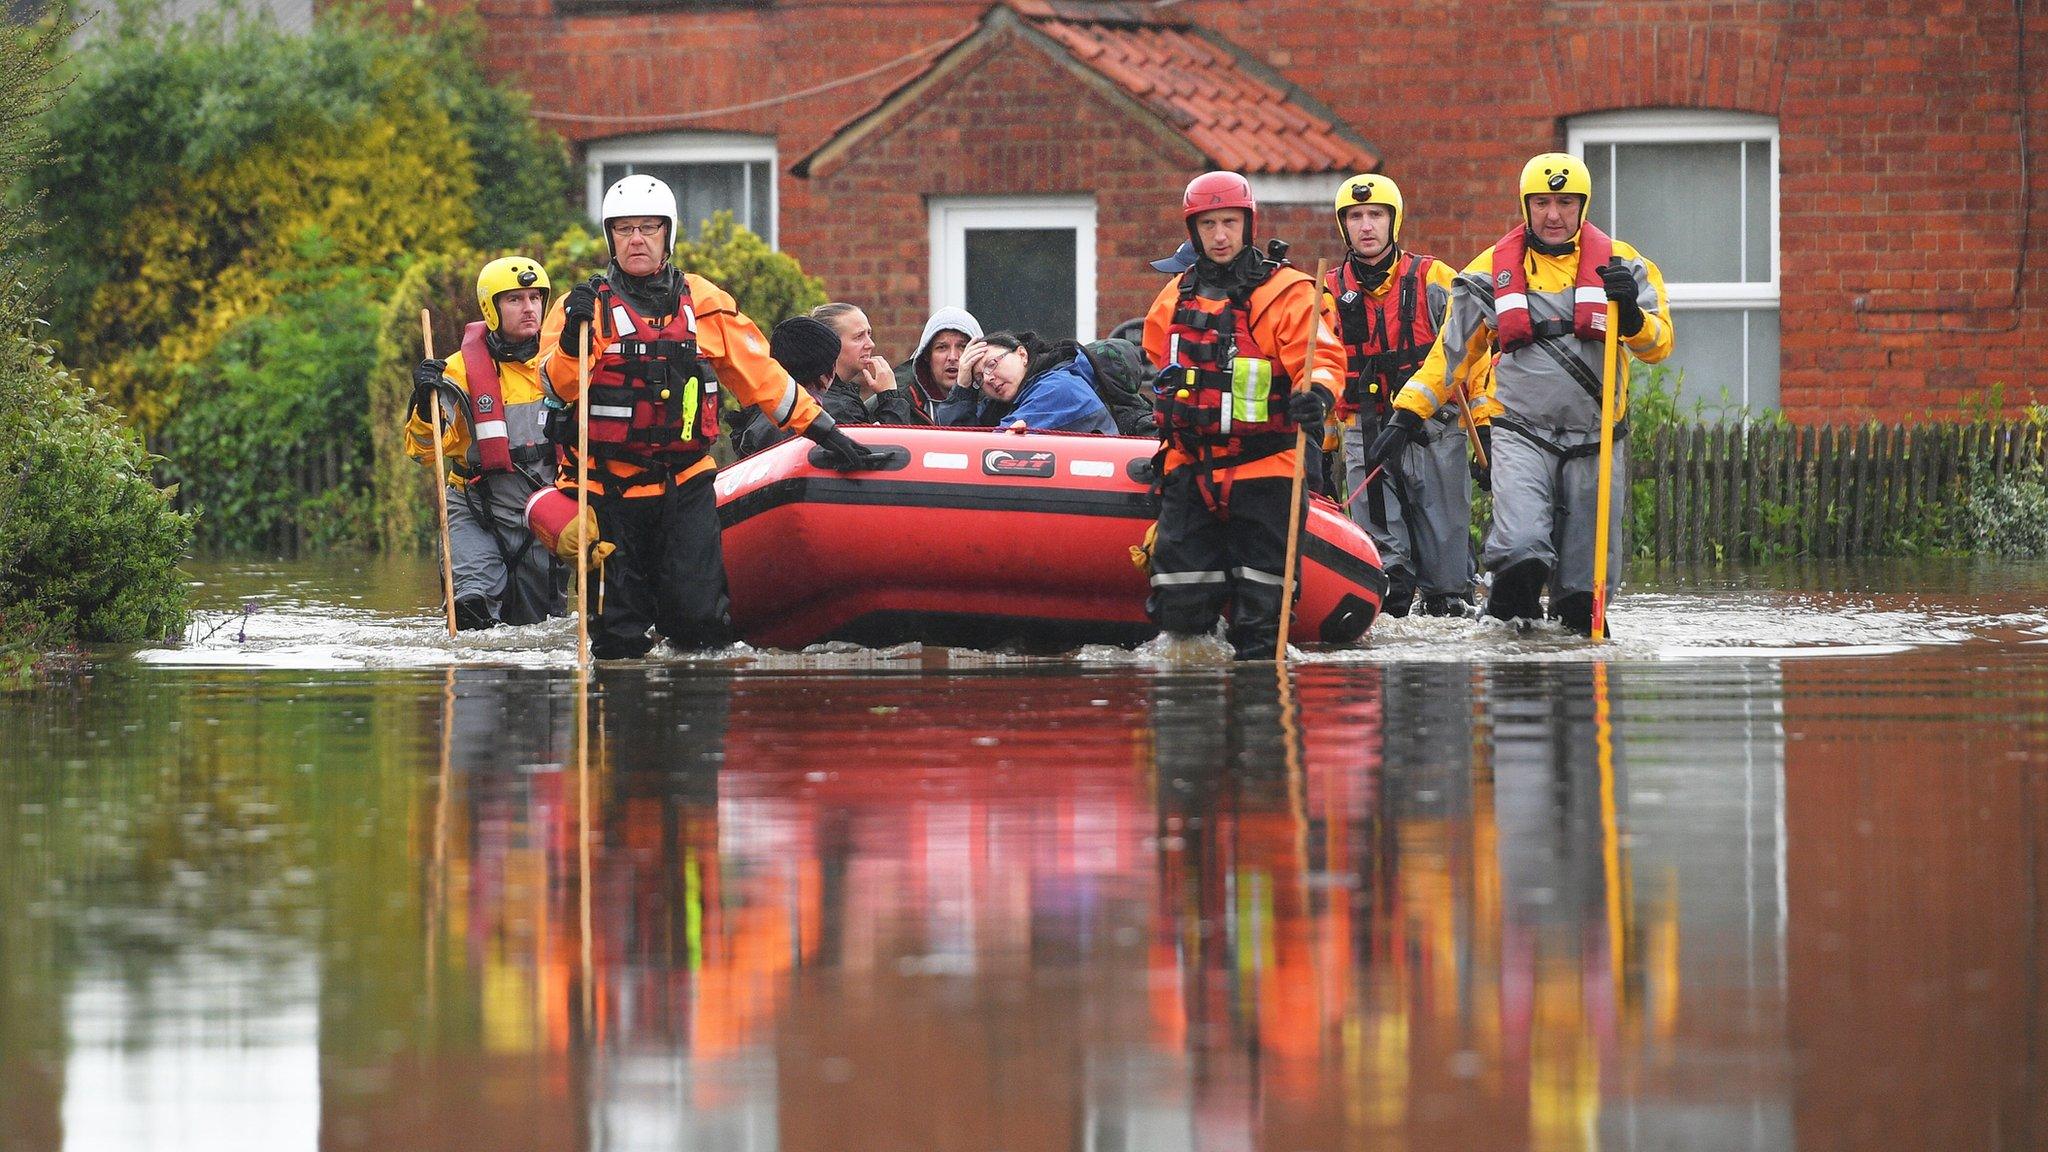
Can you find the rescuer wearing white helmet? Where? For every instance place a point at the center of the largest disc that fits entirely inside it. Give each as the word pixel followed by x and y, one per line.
pixel 653 416
pixel 1538 299
pixel 493 431
pixel 1389 302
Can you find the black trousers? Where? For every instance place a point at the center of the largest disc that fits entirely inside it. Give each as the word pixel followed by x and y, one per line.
pixel 668 573
pixel 1203 561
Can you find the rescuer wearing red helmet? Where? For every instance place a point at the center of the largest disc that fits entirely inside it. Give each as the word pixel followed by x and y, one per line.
pixel 1535 306
pixel 653 418
pixel 1418 510
pixel 1232 334
pixel 492 414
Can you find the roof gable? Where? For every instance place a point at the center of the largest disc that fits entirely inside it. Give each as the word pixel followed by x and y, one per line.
pixel 1233 111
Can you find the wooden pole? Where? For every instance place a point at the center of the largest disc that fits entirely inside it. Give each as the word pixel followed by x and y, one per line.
pixel 1295 513
pixel 440 482
pixel 1604 502
pixel 583 497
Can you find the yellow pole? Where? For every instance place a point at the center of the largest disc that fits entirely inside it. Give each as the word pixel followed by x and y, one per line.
pixel 1604 507
pixel 440 482
pixel 1295 515
pixel 583 496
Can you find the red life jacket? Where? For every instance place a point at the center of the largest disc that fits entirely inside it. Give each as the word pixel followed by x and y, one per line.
pixel 1231 388
pixel 1385 338
pixel 1511 290
pixel 501 435
pixel 649 394
pixel 486 401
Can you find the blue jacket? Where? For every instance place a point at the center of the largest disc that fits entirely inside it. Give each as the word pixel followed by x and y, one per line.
pixel 1061 399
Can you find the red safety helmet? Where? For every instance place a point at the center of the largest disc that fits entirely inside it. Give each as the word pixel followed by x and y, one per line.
pixel 1212 190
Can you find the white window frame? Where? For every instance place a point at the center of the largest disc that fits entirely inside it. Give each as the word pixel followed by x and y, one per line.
pixel 1688 126
pixel 952 217
pixel 687 148
pixel 1293 188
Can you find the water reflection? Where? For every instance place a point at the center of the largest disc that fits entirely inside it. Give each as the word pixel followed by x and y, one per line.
pixel 1405 906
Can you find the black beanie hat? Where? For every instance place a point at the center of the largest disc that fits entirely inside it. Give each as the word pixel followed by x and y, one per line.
pixel 805 348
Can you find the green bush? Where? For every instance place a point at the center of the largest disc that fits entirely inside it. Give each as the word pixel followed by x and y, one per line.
pixel 89 547
pixel 199 153
pixel 2009 518
pixel 768 285
pixel 281 389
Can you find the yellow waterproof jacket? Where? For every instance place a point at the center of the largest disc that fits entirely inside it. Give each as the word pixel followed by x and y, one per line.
pixel 519 383
pixel 1530 385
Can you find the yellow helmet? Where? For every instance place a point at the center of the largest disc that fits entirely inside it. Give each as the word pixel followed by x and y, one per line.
pixel 507 274
pixel 1556 172
pixel 1368 188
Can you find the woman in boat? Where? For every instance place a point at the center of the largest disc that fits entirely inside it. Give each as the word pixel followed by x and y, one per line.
pixel 1021 383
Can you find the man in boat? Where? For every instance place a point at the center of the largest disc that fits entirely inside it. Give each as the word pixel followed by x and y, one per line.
pixel 807 350
pixel 494 433
pixel 1232 334
pixel 931 373
pixel 653 415
pixel 1419 509
pixel 1538 298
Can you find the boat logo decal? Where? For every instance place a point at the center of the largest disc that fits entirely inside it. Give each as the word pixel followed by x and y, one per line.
pixel 1003 462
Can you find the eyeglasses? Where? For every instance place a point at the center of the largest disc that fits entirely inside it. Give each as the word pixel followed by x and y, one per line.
pixel 648 230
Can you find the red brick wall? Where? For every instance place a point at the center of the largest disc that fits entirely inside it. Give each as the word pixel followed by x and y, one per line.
pixel 1009 122
pixel 1900 133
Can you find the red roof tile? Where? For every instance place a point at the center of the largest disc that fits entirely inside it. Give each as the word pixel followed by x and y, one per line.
pixel 1242 119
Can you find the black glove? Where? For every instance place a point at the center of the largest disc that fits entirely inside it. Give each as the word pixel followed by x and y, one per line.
pixel 1482 474
pixel 579 311
pixel 848 454
pixel 1308 406
pixel 426 376
pixel 1386 447
pixel 1620 282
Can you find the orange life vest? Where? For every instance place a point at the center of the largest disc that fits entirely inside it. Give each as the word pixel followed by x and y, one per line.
pixel 649 394
pixel 1229 389
pixel 1511 290
pixel 1386 338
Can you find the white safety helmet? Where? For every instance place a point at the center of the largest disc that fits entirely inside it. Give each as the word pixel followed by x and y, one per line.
pixel 639 196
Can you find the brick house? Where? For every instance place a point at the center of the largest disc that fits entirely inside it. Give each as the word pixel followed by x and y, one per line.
pixel 1838 194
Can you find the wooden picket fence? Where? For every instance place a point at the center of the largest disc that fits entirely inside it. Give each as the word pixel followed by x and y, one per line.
pixel 1728 492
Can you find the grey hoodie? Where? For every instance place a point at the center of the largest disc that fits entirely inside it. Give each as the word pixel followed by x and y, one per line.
pixel 916 373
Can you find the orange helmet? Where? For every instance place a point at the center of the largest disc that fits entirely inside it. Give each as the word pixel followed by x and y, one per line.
pixel 1212 190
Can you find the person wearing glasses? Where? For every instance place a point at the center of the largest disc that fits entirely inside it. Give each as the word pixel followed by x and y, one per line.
pixel 653 416
pixel 1017 382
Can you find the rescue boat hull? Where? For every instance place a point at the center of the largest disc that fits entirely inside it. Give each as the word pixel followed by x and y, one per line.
pixel 981 539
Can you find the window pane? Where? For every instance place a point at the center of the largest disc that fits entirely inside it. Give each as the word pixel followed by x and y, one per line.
pixel 1763 359
pixel 1714 371
pixel 1022 279
pixel 760 219
pixel 1600 166
pixel 1757 236
pixel 1679 204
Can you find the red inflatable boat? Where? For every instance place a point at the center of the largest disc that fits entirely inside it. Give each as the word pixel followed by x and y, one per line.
pixel 975 538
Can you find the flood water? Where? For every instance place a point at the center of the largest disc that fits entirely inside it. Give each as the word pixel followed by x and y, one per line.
pixel 1766 873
